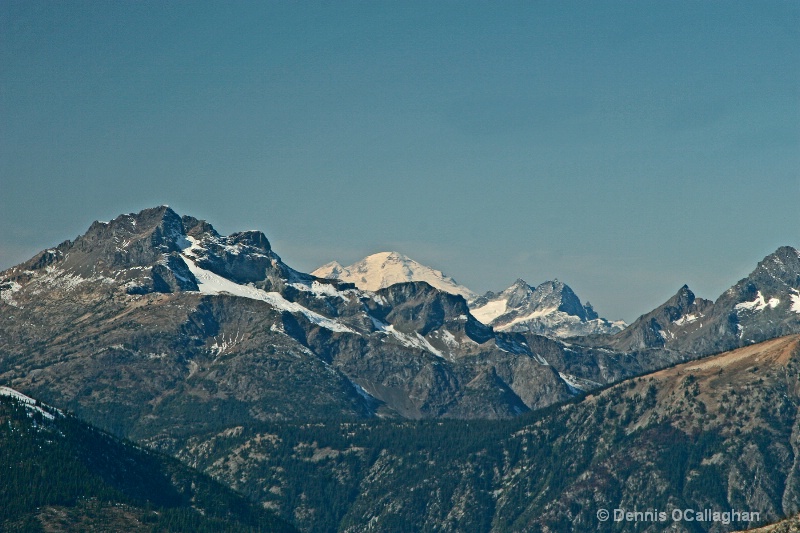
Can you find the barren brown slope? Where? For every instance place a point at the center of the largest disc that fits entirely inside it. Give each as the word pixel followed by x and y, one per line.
pixel 790 525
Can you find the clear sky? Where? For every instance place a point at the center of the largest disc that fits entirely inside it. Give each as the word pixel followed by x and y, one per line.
pixel 625 148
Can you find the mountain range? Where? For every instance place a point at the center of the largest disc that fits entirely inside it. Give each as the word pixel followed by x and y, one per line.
pixel 551 309
pixel 156 328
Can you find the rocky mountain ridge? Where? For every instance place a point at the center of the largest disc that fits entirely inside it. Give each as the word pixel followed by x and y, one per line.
pixel 764 305
pixel 141 316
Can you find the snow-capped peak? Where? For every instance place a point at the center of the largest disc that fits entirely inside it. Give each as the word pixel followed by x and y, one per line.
pixel 383 269
pixel 551 308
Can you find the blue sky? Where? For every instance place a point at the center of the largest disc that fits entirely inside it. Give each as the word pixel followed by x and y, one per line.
pixel 625 148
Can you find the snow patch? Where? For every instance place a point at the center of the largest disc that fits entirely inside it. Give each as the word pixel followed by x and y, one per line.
pixel 211 283
pixel 541 360
pixel 449 339
pixel 410 341
pixel 759 304
pixel 687 319
pixel 795 301
pixel 536 314
pixel 7 292
pixel 360 390
pixel 224 344
pixel 490 311
pixel 322 290
pixel 573 385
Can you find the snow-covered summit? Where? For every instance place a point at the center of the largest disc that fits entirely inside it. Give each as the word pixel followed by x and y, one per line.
pixel 550 309
pixel 383 269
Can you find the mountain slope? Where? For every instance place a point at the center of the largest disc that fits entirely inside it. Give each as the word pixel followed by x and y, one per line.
pixel 721 433
pixel 60 473
pixel 383 269
pixel 550 309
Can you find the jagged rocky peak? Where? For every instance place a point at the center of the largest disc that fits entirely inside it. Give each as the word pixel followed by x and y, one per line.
pixel 128 241
pixel 677 306
pixel 253 238
pixel 153 250
pixel 669 324
pixel 551 309
pixel 774 275
pixel 557 293
pixel 383 269
pixel 518 293
pixel 772 287
pixel 196 228
pixel 785 260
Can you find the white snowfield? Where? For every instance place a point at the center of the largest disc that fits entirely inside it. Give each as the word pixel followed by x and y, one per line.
pixel 688 319
pixel 211 283
pixel 321 290
pixel 383 269
pixel 490 311
pixel 539 313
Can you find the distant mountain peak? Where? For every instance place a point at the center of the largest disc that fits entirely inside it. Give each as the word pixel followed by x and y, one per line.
pixel 682 299
pixel 330 270
pixel 383 269
pixel 551 308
